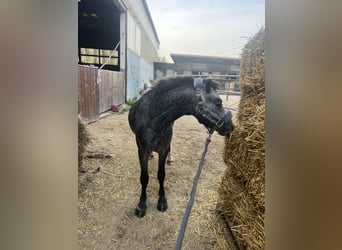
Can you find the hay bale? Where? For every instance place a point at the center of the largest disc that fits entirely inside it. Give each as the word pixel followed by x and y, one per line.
pixel 246 219
pixel 252 76
pixel 245 154
pixel 242 193
pixel 83 141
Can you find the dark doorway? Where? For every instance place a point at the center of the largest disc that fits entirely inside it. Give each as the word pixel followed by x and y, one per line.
pixel 98 33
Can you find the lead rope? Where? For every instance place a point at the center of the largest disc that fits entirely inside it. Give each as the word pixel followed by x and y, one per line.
pixel 193 191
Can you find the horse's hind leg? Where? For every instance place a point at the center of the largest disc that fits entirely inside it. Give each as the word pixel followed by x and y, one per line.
pixel 169 157
pixel 140 211
pixel 162 202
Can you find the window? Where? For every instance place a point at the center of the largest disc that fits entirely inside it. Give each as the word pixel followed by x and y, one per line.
pixel 235 68
pixel 98 56
pixel 187 72
pixel 169 72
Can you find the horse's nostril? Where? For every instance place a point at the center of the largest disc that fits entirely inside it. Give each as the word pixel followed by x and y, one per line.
pixel 227 115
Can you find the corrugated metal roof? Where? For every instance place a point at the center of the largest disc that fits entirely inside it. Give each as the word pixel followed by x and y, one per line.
pixel 151 20
pixel 203 58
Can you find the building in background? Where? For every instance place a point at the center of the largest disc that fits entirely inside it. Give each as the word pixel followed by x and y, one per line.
pixel 106 76
pixel 163 69
pixel 142 46
pixel 102 24
pixel 225 70
pixel 205 65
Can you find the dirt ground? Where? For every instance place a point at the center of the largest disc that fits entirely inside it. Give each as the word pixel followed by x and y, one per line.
pixel 108 197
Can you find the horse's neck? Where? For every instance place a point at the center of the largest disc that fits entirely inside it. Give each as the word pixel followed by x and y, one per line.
pixel 174 109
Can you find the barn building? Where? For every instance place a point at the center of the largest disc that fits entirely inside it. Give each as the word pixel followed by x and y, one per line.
pixel 205 65
pixel 120 74
pixel 223 69
pixel 163 69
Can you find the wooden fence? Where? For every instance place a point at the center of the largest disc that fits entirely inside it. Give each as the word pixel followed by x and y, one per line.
pixel 88 93
pixel 111 89
pixel 94 98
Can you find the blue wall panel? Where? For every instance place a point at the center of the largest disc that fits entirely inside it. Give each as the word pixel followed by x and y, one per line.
pixel 133 74
pixel 139 72
pixel 146 73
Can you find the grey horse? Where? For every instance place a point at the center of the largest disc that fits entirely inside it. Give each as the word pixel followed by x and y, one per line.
pixel 152 116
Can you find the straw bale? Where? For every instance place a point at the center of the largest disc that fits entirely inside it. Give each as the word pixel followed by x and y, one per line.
pixel 83 141
pixel 245 153
pixel 252 76
pixel 246 220
pixel 245 148
pixel 242 192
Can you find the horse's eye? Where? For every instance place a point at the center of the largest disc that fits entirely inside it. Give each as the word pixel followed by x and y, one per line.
pixel 218 101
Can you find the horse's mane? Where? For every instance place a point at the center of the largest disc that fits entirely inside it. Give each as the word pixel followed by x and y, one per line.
pixel 167 84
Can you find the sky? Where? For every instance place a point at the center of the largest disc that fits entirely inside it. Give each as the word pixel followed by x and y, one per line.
pixel 205 27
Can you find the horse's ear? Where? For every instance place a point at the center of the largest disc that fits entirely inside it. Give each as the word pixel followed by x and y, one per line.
pixel 210 84
pixel 198 83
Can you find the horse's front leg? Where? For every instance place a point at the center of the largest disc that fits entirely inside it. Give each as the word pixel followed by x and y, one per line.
pixel 140 211
pixel 162 202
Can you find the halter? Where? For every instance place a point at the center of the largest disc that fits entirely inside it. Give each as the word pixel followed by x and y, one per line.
pixel 207 114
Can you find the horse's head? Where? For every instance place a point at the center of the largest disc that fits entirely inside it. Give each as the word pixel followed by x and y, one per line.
pixel 210 110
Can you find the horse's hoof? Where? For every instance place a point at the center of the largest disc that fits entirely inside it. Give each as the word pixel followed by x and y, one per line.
pixel 140 212
pixel 169 159
pixel 162 207
pixel 151 155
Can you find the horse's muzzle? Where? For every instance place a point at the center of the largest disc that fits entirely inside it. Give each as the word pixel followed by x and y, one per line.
pixel 227 115
pixel 227 126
